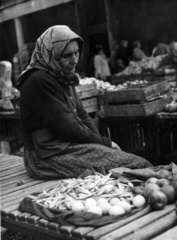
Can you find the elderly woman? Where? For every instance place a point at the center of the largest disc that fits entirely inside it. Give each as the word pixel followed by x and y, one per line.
pixel 60 139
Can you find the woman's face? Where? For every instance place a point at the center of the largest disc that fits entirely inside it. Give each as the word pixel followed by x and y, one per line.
pixel 70 57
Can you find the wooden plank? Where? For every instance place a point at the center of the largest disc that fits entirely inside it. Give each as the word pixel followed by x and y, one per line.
pixel 15 177
pixel 81 231
pixel 138 224
pixel 29 190
pixel 86 87
pixel 16 174
pixel 97 233
pixel 13 170
pixel 170 234
pixel 4 168
pixel 27 8
pixel 43 223
pixel 32 229
pixel 7 162
pixel 87 94
pixel 90 102
pixel 66 230
pixel 5 157
pixel 26 178
pixel 11 202
pixel 23 216
pixel 143 109
pixel 154 228
pixel 91 109
pixel 5 211
pixel 137 92
pixel 17 188
pixel 14 214
pixel 53 226
pixel 33 219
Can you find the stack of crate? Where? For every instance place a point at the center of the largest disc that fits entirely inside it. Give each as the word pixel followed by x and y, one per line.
pixel 88 94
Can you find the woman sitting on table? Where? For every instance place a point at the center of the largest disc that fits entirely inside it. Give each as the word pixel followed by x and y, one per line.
pixel 60 139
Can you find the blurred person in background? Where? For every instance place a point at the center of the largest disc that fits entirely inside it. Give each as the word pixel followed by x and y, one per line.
pixel 169 61
pixel 138 53
pixel 101 64
pixel 123 53
pixel 113 62
pixel 161 49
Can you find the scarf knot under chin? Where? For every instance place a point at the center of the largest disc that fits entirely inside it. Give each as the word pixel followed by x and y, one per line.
pixel 69 79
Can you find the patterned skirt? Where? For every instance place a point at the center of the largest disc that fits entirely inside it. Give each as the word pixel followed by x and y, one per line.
pixel 78 158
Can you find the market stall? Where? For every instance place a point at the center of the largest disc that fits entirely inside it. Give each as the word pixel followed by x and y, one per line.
pixel 139 109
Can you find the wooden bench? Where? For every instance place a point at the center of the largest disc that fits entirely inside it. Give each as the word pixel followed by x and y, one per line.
pixel 16 184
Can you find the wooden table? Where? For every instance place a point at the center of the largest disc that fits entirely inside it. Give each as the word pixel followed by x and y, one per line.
pixel 159 225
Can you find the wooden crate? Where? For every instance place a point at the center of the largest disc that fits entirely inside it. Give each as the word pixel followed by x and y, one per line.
pixel 91 104
pixel 87 90
pixel 115 80
pixel 141 109
pixel 137 92
pixel 88 95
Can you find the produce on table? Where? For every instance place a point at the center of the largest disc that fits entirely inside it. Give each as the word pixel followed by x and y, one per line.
pixel 163 191
pixel 157 200
pixel 139 201
pixel 169 192
pixel 77 206
pixel 116 210
pixel 171 107
pixel 96 210
pixel 104 195
pixel 138 190
pixel 162 182
pixel 173 182
pixel 126 206
pixel 103 86
pixel 151 180
pixel 114 201
pixel 163 173
pixel 150 187
pixel 105 207
pixel 96 193
pixel 148 64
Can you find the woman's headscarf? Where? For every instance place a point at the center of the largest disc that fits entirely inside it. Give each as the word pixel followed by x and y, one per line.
pixel 48 49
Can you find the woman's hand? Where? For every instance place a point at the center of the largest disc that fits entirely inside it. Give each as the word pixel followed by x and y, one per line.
pixel 115 146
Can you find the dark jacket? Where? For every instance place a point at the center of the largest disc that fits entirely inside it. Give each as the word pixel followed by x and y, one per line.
pixel 45 103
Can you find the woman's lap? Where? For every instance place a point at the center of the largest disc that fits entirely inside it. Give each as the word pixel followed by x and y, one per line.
pixel 76 159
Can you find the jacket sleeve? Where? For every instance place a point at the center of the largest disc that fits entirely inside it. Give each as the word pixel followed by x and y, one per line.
pixel 50 103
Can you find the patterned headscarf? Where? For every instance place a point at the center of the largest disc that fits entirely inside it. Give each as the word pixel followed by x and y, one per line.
pixel 47 52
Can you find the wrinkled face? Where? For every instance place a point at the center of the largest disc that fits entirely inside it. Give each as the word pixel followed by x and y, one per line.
pixel 69 57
